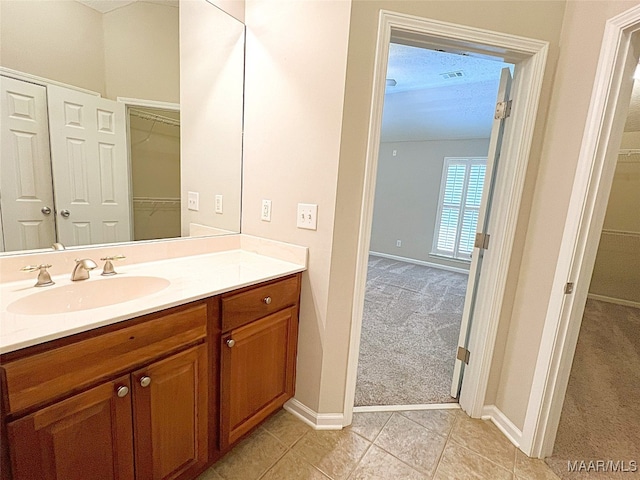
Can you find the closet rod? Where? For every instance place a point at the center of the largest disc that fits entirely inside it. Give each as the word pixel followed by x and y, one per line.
pixel 155 117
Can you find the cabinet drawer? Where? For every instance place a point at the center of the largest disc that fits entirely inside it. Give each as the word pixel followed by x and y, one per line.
pixel 246 306
pixel 41 377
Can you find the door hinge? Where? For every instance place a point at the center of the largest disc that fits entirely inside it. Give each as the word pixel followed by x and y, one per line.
pixel 568 288
pixel 463 355
pixel 503 110
pixel 482 241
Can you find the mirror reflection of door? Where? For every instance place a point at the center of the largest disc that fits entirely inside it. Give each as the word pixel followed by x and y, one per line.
pixel 89 162
pixel 154 145
pixel 26 202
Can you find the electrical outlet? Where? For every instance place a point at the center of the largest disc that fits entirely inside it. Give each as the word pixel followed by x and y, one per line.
pixel 265 215
pixel 307 216
pixel 218 203
pixel 193 201
pixel 398 243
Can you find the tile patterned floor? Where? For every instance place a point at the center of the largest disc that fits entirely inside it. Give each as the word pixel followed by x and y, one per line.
pixel 410 445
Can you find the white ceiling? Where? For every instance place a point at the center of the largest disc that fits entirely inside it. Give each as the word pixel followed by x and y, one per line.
pixel 424 105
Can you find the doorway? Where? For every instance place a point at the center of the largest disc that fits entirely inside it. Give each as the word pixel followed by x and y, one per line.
pixel 154 149
pixel 438 116
pixel 529 58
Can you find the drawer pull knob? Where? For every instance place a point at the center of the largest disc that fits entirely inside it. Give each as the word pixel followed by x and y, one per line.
pixel 231 342
pixel 122 391
pixel 266 300
pixel 145 381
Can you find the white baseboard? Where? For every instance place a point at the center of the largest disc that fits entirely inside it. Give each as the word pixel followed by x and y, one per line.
pixel 403 408
pixel 617 301
pixel 500 420
pixel 317 421
pixel 420 262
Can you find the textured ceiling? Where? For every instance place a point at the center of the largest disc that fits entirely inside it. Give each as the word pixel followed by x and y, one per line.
pixel 428 104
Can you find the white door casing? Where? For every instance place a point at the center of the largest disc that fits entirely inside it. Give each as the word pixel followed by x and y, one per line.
pixel 26 192
pixel 493 156
pixel 529 56
pixel 90 167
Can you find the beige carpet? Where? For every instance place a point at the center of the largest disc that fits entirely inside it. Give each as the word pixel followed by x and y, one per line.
pixel 601 413
pixel 409 334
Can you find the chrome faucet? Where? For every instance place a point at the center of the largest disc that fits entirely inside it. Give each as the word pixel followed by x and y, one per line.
pixel 82 269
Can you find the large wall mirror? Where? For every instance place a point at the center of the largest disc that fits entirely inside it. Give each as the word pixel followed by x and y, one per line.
pixel 121 121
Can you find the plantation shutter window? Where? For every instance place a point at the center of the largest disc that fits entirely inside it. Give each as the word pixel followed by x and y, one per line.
pixel 458 207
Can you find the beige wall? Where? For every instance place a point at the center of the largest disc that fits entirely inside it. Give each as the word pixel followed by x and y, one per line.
pixel 296 150
pixel 58 40
pixel 141 52
pixel 295 72
pixel 407 192
pixel 232 7
pixel 211 71
pixel 129 52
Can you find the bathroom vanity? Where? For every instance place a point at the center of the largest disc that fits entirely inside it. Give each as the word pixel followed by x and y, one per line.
pixel 160 395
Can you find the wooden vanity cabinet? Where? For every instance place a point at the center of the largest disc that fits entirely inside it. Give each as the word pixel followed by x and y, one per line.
pixel 258 355
pixel 150 420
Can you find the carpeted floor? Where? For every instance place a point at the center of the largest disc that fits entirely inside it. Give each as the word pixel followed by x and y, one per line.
pixel 409 335
pixel 601 413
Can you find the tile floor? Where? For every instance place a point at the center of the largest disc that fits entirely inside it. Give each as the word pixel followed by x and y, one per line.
pixel 409 445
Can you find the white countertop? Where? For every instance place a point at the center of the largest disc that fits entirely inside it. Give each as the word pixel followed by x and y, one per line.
pixel 191 278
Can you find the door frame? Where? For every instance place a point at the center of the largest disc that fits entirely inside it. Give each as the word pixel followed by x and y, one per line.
pixel 529 56
pixel 140 102
pixel 585 217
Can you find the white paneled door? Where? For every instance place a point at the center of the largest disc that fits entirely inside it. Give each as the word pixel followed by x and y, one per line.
pixel 90 168
pixel 26 194
pixel 493 157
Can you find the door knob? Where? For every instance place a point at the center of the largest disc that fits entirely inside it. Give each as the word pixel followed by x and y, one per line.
pixel 122 391
pixel 45 210
pixel 231 342
pixel 145 381
pixel 65 213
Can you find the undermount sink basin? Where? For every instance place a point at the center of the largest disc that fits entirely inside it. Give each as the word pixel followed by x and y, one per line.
pixel 87 294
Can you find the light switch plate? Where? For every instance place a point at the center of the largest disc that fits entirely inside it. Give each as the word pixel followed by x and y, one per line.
pixel 218 203
pixel 265 214
pixel 193 201
pixel 307 216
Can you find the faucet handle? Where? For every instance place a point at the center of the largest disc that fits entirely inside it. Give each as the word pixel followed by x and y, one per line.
pixel 44 279
pixel 108 266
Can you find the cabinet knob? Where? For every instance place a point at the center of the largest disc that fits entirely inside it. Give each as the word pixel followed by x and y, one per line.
pixel 231 342
pixel 122 391
pixel 266 300
pixel 145 381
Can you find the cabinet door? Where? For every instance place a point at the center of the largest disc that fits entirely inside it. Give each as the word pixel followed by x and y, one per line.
pixel 86 437
pixel 170 402
pixel 258 372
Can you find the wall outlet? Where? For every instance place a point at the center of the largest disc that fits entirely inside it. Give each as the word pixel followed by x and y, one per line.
pixel 398 243
pixel 193 201
pixel 218 203
pixel 265 214
pixel 307 216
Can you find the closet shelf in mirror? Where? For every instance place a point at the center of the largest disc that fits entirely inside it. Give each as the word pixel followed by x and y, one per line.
pixel 154 117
